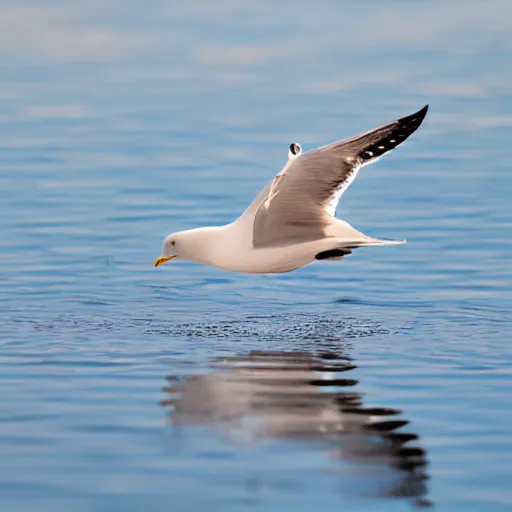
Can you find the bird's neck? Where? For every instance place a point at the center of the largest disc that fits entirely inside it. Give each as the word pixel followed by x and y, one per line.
pixel 203 243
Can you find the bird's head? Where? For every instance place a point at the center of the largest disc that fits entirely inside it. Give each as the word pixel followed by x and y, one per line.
pixel 174 247
pixel 191 245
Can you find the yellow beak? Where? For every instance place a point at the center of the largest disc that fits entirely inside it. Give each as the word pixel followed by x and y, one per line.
pixel 163 259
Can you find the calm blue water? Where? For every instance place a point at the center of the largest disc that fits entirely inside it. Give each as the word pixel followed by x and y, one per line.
pixel 126 387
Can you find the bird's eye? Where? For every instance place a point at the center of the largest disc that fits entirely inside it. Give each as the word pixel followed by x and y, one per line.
pixel 173 243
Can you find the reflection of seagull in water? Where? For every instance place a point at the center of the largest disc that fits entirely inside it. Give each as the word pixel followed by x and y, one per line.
pixel 305 398
pixel 292 221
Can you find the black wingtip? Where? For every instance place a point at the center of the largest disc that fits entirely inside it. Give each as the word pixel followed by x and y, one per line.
pixel 381 140
pixel 416 117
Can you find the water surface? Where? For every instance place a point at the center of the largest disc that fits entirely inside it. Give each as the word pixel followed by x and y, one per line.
pixel 129 387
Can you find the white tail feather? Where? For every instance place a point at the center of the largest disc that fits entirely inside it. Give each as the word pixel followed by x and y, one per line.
pixel 369 242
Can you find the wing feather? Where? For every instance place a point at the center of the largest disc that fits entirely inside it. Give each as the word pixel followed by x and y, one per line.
pixel 303 197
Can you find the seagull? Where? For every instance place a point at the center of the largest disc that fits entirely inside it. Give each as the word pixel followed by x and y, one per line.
pixel 292 221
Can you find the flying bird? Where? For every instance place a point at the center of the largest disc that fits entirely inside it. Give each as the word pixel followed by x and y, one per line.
pixel 292 220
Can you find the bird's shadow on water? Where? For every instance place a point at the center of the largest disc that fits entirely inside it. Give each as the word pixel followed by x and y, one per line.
pixel 308 396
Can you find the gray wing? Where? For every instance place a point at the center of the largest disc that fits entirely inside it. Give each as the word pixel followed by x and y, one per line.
pixel 302 199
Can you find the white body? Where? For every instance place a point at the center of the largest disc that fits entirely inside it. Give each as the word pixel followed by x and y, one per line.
pixel 230 247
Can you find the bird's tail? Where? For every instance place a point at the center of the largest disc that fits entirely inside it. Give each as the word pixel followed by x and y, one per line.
pixel 369 242
pixel 348 237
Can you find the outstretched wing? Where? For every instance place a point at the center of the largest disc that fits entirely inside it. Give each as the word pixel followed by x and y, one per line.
pixel 303 197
